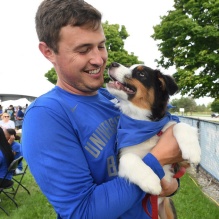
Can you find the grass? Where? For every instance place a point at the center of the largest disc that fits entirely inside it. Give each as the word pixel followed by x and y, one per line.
pixel 33 206
pixel 190 202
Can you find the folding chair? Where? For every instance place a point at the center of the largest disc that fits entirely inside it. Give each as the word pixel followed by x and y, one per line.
pixel 19 181
pixel 11 169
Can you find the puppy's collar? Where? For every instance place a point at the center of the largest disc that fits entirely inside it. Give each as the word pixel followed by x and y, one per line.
pixel 160 133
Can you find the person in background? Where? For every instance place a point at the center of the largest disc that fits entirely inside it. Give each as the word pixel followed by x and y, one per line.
pixel 25 108
pixel 19 118
pixel 6 123
pixel 69 133
pixel 6 157
pixel 1 111
pixel 11 112
pixel 10 135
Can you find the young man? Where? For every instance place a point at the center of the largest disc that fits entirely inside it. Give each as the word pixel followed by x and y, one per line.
pixel 6 157
pixel 11 136
pixel 69 133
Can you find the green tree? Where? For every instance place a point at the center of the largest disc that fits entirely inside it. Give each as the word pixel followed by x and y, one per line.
pixel 187 103
pixel 209 107
pixel 51 76
pixel 115 40
pixel 201 108
pixel 215 106
pixel 189 40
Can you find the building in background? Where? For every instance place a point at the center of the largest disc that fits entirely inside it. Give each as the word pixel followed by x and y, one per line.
pixel 26 90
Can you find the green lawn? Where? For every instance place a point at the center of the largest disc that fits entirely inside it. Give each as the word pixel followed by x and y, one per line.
pixel 190 202
pixel 33 206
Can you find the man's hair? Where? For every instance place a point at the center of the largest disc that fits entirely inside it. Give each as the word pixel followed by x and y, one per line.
pixel 6 148
pixel 52 15
pixel 11 132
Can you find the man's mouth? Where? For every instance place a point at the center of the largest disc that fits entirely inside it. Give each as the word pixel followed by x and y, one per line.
pixel 93 72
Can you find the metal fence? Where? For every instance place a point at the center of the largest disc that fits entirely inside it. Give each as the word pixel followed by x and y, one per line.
pixel 209 142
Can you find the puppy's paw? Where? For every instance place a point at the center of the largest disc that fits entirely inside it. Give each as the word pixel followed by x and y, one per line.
pixel 192 154
pixel 187 138
pixel 195 157
pixel 136 171
pixel 151 184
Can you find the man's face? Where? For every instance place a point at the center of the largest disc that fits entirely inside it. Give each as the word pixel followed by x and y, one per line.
pixel 81 60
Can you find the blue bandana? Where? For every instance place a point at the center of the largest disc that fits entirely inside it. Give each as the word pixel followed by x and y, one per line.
pixel 132 131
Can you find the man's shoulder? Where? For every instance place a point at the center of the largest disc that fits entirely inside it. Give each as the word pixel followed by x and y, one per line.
pixel 106 93
pixel 48 99
pixel 55 100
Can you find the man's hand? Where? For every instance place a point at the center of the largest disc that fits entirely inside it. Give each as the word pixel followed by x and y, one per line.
pixel 11 139
pixel 167 150
pixel 168 188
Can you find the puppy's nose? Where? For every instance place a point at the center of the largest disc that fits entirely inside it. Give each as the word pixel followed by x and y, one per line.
pixel 114 64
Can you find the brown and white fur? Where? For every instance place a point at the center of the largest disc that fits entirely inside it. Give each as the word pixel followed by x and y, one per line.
pixel 143 94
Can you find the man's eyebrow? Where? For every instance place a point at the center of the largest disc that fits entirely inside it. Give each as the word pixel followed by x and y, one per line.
pixel 83 45
pixel 103 41
pixel 88 44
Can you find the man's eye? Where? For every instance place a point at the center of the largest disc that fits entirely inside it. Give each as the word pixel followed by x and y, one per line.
pixel 102 46
pixel 84 50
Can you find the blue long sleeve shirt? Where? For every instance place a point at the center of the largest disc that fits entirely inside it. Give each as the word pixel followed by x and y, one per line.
pixel 69 143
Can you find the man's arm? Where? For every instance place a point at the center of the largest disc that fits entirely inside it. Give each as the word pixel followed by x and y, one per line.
pixel 167 150
pixel 58 164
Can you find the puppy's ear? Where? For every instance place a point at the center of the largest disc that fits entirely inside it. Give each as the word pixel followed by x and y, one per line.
pixel 168 83
pixel 171 85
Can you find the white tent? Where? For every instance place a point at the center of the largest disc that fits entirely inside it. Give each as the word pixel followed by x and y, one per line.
pixel 29 87
pixel 20 102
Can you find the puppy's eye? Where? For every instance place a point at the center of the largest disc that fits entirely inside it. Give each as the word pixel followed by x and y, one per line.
pixel 141 74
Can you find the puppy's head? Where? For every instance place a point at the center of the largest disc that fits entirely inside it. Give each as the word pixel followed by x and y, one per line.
pixel 142 86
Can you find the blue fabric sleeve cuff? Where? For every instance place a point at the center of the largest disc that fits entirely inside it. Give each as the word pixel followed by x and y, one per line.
pixel 154 164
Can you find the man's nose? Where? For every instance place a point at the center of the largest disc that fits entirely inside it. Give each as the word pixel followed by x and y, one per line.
pixel 97 57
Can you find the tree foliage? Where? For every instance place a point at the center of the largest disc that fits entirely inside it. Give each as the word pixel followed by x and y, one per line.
pixel 115 40
pixel 51 76
pixel 187 103
pixel 189 40
pixel 215 106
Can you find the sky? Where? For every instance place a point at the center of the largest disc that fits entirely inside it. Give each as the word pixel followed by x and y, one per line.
pixel 23 63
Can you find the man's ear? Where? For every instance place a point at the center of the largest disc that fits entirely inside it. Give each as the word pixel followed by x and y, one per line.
pixel 46 51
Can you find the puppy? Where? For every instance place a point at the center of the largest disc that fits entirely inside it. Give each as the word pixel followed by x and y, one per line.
pixel 143 95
